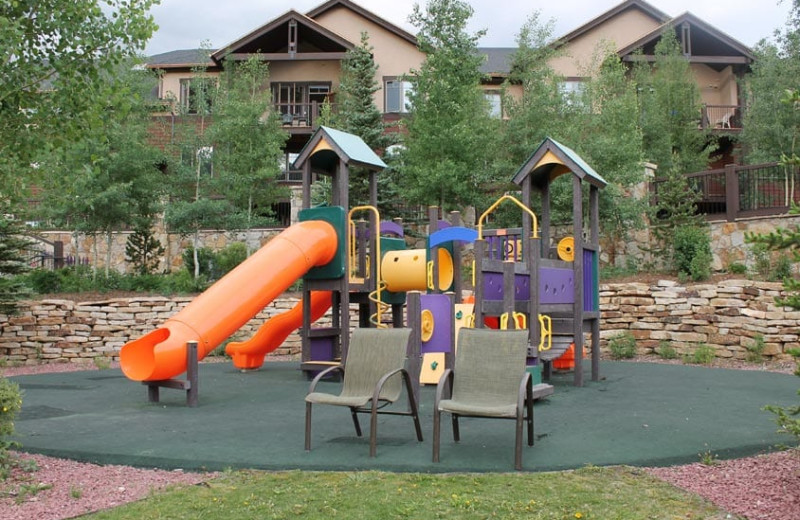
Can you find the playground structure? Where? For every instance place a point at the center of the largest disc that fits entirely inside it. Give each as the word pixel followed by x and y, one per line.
pixel 342 261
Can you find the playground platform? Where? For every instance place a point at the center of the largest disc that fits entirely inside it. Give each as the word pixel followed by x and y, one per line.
pixel 639 414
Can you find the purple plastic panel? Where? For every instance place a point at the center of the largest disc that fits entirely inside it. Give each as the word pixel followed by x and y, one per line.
pixel 556 285
pixel 439 305
pixel 589 277
pixel 493 287
pixel 391 228
pixel 322 349
pixel 522 287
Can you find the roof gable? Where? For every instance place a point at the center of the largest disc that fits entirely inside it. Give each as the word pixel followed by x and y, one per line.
pixel 369 15
pixel 288 37
pixel 706 41
pixel 552 159
pixel 641 5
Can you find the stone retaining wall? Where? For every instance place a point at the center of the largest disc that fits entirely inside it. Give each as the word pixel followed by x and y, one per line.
pixel 65 331
pixel 726 316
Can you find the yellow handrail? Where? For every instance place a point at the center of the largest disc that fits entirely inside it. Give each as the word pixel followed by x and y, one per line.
pixel 377 253
pixel 520 320
pixel 546 326
pixel 535 231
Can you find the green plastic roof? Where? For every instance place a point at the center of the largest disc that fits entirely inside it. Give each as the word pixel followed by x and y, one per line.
pixel 571 159
pixel 354 148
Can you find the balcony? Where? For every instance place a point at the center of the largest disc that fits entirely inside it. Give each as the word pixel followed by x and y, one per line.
pixel 302 117
pixel 726 118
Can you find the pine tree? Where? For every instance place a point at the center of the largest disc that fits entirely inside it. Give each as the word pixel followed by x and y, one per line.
pixel 12 264
pixel 358 114
pixel 143 249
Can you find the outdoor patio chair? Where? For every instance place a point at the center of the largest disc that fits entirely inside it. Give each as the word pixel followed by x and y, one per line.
pixel 489 380
pixel 374 375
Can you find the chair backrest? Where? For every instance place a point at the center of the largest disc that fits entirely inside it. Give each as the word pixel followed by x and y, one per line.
pixel 489 365
pixel 371 354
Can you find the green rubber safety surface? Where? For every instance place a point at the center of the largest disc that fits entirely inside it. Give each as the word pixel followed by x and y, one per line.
pixel 638 414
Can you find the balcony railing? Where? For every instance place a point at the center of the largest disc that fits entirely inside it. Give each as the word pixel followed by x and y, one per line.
pixel 736 192
pixel 721 117
pixel 302 115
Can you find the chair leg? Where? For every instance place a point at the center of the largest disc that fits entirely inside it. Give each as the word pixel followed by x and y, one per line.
pixel 456 433
pixel 518 444
pixel 308 426
pixel 530 422
pixel 437 428
pixel 373 429
pixel 355 421
pixel 412 405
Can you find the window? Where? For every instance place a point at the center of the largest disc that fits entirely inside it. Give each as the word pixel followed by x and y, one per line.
pixel 572 90
pixel 396 96
pixel 288 174
pixel 199 159
pixel 495 101
pixel 195 94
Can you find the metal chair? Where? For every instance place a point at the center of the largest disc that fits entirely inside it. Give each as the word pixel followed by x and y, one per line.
pixel 489 380
pixel 374 374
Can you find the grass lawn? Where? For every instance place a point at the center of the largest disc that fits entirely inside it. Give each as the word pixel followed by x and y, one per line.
pixel 588 493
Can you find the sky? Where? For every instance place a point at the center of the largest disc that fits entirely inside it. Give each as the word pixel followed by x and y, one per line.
pixel 185 24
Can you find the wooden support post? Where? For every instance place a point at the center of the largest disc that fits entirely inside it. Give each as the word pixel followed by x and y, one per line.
pixel 458 284
pixel 450 356
pixel 577 265
pixel 731 193
pixel 480 254
pixel 190 385
pixel 414 320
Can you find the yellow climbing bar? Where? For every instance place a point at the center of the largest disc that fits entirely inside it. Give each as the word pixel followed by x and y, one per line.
pixel 535 230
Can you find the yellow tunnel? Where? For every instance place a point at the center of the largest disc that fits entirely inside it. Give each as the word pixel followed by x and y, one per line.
pixel 407 270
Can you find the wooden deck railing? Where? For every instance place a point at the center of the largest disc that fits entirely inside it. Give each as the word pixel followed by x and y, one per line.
pixel 721 117
pixel 301 115
pixel 736 192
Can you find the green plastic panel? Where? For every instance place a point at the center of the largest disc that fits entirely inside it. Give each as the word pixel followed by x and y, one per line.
pixel 336 217
pixel 392 244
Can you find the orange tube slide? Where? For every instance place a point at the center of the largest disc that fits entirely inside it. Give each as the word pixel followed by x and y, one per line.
pixel 231 302
pixel 250 354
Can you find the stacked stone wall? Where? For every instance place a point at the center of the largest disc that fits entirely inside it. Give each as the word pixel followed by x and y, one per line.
pixel 727 316
pixel 57 331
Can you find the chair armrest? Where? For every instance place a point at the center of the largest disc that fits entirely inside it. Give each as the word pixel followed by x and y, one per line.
pixel 382 381
pixel 322 374
pixel 446 381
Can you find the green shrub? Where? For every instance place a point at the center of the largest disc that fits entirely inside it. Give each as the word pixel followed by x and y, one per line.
pixel 702 355
pixel 205 257
pixel 666 351
pixel 737 268
pixel 10 404
pixel 761 259
pixel 782 269
pixel 755 350
pixel 622 346
pixel 43 281
pixel 691 251
pixel 230 257
pixel 788 417
pixel 182 282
